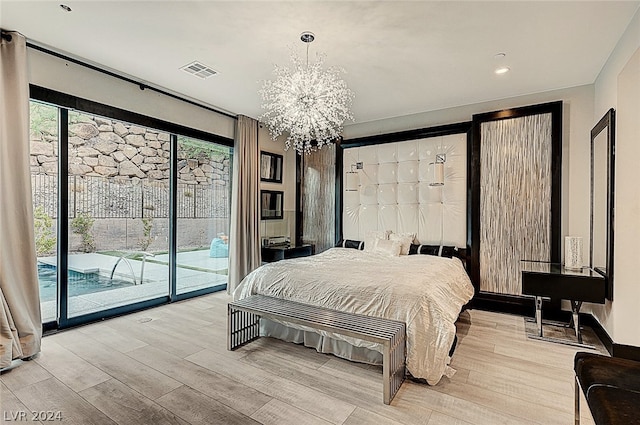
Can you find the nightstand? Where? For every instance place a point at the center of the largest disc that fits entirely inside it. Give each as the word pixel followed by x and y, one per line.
pixel 277 253
pixel 552 280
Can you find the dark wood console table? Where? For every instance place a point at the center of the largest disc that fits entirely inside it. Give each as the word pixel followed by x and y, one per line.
pixel 552 280
pixel 277 253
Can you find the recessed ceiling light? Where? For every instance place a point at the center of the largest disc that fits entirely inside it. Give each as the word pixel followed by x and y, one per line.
pixel 499 55
pixel 65 8
pixel 502 70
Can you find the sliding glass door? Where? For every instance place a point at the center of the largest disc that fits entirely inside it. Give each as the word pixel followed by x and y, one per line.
pixel 44 142
pixel 203 205
pixel 118 198
pixel 127 214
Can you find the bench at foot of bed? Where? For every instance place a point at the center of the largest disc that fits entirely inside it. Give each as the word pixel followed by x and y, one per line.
pixel 244 326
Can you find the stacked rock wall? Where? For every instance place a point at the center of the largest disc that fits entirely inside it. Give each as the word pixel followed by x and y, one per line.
pixel 100 147
pixel 119 173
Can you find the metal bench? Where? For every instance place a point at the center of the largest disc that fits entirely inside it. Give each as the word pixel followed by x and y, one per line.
pixel 244 326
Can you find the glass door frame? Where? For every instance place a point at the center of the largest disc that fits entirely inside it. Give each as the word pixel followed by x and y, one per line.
pixel 65 103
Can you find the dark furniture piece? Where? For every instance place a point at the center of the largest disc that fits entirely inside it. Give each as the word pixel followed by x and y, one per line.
pixel 552 280
pixel 271 254
pixel 244 326
pixel 611 387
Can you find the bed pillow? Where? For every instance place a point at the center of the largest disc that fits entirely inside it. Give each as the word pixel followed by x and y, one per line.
pixel 449 251
pixel 349 243
pixel 437 250
pixel 424 249
pixel 371 237
pixel 405 239
pixel 388 247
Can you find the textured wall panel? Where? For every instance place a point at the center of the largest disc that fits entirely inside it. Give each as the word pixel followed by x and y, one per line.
pixel 407 193
pixel 515 199
pixel 394 192
pixel 409 172
pixel 318 203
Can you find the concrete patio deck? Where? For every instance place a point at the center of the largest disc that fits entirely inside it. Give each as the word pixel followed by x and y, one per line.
pixel 195 271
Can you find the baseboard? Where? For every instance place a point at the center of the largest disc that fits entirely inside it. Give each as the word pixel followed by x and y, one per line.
pixel 524 306
pixel 587 319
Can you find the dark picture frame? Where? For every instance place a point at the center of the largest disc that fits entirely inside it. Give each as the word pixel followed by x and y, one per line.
pixel 271 203
pixel 271 167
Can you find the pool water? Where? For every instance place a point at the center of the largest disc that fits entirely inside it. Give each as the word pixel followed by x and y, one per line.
pixel 79 283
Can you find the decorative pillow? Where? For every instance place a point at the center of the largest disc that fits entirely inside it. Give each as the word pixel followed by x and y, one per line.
pixel 437 250
pixel 405 239
pixel 448 251
pixel 349 243
pixel 388 247
pixel 372 236
pixel 424 249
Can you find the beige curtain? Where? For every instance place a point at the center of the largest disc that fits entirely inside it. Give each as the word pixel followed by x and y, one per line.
pixel 244 241
pixel 20 323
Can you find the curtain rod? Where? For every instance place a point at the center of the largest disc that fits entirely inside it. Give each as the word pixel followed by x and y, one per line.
pixel 142 86
pixel 6 36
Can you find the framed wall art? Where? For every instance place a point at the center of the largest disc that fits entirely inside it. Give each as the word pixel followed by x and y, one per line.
pixel 270 167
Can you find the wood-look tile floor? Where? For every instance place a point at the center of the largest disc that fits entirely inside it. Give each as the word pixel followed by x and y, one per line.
pixel 169 365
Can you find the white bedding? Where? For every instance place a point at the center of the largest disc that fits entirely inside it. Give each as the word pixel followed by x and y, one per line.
pixel 424 291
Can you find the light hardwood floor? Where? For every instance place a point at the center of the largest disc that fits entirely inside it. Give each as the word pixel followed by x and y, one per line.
pixel 169 365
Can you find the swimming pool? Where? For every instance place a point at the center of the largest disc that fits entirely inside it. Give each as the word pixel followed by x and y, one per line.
pixel 79 283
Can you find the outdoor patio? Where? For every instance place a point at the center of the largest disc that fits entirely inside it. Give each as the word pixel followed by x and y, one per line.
pixel 195 270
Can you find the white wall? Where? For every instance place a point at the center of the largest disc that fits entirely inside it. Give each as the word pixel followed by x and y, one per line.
pixel 620 74
pixel 67 77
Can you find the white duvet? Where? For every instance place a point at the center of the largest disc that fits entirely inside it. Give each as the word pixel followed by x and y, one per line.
pixel 424 291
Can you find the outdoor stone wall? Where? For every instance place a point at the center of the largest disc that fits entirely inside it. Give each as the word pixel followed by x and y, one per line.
pixel 100 147
pixel 119 173
pixel 127 234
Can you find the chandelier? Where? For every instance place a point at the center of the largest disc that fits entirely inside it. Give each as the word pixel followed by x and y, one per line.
pixel 307 102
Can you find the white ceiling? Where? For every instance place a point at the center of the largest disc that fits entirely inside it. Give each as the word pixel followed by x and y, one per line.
pixel 401 57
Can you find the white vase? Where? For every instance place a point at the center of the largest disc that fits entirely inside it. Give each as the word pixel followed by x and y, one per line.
pixel 573 252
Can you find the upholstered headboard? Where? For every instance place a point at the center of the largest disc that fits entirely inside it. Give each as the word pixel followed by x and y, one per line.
pixel 394 191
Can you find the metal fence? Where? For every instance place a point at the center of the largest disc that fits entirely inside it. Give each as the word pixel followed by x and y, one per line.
pixel 103 197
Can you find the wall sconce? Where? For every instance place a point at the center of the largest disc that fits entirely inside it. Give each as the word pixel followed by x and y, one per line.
pixel 437 179
pixel 352 178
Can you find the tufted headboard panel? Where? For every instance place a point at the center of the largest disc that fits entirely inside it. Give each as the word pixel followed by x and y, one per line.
pixel 394 191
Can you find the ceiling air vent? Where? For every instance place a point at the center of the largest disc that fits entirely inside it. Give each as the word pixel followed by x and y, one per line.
pixel 199 70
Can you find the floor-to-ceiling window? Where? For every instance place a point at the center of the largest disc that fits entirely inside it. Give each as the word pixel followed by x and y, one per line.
pixel 204 200
pixel 118 213
pixel 43 137
pixel 146 207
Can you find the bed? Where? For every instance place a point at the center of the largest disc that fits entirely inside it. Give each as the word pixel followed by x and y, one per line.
pixel 395 200
pixel 426 292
